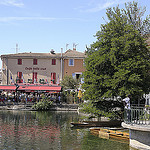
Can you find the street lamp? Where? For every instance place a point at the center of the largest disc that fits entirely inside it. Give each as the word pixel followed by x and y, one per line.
pixel 17 86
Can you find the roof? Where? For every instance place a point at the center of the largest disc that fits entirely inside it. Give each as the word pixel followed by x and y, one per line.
pixel 68 53
pixel 73 53
pixel 32 55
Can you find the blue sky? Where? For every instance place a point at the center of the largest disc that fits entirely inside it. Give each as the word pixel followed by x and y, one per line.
pixel 42 25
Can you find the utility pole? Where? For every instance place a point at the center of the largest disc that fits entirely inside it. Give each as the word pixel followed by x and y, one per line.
pixel 67 47
pixel 16 48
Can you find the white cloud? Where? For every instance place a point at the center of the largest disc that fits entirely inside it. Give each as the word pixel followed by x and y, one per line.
pixel 16 3
pixel 100 7
pixel 11 19
pixel 97 6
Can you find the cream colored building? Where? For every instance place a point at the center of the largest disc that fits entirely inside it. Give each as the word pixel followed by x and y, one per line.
pixel 0 76
pixel 36 67
pixel 30 66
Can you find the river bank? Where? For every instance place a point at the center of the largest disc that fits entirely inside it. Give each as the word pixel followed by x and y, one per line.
pixel 28 107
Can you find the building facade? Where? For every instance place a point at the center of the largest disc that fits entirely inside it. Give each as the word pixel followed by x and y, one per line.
pixel 0 76
pixel 73 63
pixel 41 67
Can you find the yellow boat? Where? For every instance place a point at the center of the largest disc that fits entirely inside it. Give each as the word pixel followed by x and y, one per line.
pixel 110 134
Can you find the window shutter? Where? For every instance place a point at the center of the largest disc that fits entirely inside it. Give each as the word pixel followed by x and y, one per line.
pixel 53 61
pixel 19 61
pixel 53 77
pixel 34 61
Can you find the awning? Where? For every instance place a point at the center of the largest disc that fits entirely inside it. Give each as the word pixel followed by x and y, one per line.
pixel 31 88
pixel 7 87
pixel 40 88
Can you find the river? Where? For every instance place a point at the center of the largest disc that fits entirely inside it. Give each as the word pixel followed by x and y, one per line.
pixel 31 130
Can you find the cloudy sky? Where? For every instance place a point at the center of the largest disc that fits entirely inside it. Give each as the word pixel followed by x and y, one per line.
pixel 42 25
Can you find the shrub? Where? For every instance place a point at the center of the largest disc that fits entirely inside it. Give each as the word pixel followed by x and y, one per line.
pixel 44 104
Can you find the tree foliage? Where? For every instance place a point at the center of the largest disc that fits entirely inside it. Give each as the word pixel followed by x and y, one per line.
pixel 135 16
pixel 43 104
pixel 69 82
pixel 118 62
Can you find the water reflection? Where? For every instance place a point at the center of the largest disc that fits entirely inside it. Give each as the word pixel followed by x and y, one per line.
pixel 48 131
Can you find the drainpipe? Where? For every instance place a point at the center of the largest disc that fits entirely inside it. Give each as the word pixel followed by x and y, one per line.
pixel 61 63
pixel 7 75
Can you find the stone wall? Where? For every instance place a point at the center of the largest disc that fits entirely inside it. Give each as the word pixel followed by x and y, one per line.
pixel 139 135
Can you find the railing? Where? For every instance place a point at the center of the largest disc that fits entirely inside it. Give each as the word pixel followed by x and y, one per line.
pixel 137 115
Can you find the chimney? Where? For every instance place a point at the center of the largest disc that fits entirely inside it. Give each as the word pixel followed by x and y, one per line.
pixel 74 46
pixel 52 51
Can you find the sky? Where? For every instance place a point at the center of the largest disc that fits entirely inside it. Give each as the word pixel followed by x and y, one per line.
pixel 42 25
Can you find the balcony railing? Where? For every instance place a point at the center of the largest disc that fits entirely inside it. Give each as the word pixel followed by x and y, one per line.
pixel 137 115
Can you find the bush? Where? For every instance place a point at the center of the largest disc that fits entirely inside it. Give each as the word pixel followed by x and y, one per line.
pixel 44 104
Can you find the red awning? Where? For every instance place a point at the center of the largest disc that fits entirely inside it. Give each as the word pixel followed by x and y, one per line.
pixel 40 88
pixel 31 88
pixel 7 87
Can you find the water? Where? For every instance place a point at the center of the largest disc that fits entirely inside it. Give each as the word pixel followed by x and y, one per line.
pixel 21 130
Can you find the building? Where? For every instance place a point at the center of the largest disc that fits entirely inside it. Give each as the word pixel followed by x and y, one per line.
pixel 73 63
pixel 0 76
pixel 30 67
pixel 41 67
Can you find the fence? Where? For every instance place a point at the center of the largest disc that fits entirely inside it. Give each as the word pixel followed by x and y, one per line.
pixel 137 115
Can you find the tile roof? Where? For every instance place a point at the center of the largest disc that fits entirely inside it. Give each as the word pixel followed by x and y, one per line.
pixel 73 53
pixel 32 55
pixel 67 54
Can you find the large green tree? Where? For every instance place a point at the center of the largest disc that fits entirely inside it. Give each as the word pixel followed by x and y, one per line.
pixel 117 63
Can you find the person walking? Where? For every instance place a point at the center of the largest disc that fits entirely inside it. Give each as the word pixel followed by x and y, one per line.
pixel 59 99
pixel 127 107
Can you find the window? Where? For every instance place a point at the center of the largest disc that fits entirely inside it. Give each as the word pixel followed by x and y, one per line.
pixel 53 61
pixel 19 61
pixel 71 62
pixel 34 77
pixel 19 77
pixel 53 77
pixel 34 61
pixel 76 75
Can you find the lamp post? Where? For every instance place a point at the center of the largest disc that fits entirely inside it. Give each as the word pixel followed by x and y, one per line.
pixel 17 86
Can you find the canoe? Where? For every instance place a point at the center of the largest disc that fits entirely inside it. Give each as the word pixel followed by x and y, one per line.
pixel 79 124
pixel 110 134
pixel 110 123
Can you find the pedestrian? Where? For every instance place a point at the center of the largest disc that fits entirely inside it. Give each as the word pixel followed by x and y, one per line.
pixel 127 107
pixel 59 98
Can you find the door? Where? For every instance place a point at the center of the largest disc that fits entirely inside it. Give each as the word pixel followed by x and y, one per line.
pixel 19 75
